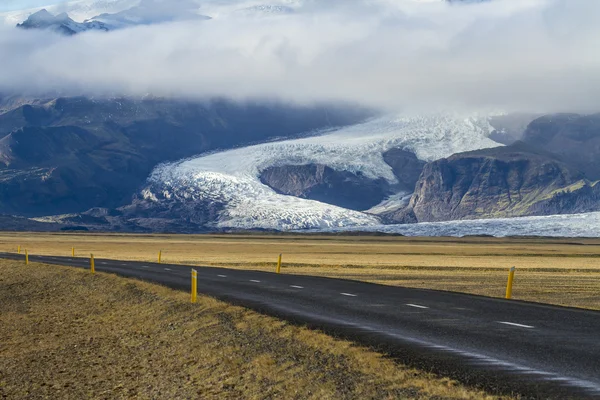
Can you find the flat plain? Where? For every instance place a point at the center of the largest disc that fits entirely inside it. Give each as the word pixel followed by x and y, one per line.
pixel 555 271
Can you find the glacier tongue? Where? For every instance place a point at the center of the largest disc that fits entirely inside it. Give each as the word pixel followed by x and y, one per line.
pixel 571 225
pixel 232 177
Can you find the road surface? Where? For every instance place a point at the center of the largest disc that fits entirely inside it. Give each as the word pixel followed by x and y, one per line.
pixel 537 350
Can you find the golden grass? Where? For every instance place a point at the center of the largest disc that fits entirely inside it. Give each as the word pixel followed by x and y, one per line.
pixel 556 271
pixel 72 335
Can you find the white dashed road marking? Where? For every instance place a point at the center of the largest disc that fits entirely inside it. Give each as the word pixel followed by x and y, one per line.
pixel 517 325
pixel 222 276
pixel 167 269
pixel 254 280
pixel 297 287
pixel 145 266
pixel 416 306
pixel 348 294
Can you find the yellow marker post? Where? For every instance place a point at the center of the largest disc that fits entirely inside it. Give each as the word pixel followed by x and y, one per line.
pixel 26 257
pixel 279 265
pixel 159 256
pixel 92 264
pixel 194 285
pixel 19 249
pixel 72 251
pixel 509 285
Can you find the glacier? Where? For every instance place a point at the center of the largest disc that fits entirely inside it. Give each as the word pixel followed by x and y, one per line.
pixel 233 177
pixel 571 225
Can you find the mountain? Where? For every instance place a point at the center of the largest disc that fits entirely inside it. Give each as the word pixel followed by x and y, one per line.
pixel 512 181
pixel 61 23
pixel 79 10
pixel 146 12
pixel 181 166
pixel 72 154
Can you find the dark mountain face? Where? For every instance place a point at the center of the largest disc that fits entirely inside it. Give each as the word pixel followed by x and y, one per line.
pixel 511 181
pixel 344 188
pixel 324 184
pixel 72 154
pixel 575 138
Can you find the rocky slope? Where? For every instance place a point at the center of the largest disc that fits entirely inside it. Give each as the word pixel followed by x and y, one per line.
pixel 352 190
pixel 511 181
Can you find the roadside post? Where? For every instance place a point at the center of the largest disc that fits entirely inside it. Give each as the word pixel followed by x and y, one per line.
pixel 159 256
pixel 72 251
pixel 509 285
pixel 279 265
pixel 92 264
pixel 194 285
pixel 26 257
pixel 19 249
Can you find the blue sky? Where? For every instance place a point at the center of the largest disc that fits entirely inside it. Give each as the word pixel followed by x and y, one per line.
pixel 7 5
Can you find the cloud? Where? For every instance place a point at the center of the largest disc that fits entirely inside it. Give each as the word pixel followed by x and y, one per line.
pixel 525 55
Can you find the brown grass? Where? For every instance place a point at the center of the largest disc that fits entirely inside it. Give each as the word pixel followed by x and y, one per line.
pixel 70 335
pixel 556 271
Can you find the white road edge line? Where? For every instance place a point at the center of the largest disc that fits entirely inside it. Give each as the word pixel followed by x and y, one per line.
pixel 416 306
pixel 222 276
pixel 518 325
pixel 254 280
pixel 297 287
pixel 349 294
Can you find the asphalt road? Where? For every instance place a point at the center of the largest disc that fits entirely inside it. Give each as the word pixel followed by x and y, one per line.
pixel 536 350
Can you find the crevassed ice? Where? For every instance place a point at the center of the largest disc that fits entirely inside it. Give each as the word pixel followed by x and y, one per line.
pixel 232 177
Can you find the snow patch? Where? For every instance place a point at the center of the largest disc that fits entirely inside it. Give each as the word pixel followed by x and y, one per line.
pixel 394 202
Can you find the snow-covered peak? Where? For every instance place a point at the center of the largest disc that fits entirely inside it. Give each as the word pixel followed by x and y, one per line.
pixel 78 10
pixel 62 17
pixel 60 23
pixel 41 16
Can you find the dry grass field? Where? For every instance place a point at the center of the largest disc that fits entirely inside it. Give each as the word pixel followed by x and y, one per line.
pixel 71 335
pixel 557 271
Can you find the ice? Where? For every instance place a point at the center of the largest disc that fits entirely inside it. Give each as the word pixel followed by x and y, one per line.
pixel 573 225
pixel 232 177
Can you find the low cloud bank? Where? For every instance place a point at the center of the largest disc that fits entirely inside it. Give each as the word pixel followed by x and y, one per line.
pixel 514 55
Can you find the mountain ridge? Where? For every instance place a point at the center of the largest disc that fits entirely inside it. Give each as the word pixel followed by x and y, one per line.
pixel 61 23
pixel 512 181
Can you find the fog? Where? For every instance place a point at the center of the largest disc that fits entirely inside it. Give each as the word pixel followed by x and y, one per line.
pixel 510 55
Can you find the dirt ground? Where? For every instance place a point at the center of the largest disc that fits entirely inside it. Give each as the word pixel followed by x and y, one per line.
pixel 557 271
pixel 71 335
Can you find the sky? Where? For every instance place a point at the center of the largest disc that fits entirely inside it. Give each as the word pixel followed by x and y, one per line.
pixel 508 55
pixel 8 5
